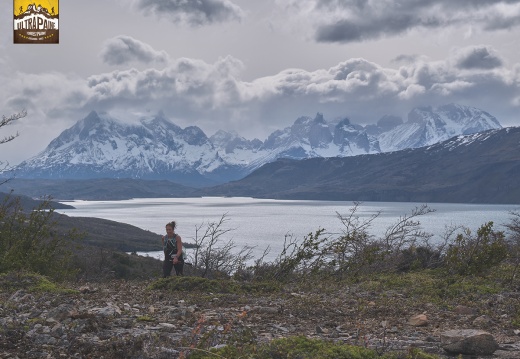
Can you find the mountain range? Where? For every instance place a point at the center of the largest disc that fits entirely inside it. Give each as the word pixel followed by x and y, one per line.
pixel 100 146
pixel 478 168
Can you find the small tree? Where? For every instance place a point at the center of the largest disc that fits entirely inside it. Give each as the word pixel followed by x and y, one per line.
pixel 476 255
pixel 514 242
pixel 354 250
pixel 359 251
pixel 213 254
pixel 29 240
pixel 307 256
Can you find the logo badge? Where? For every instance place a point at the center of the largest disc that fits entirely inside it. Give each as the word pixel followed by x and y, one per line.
pixel 35 23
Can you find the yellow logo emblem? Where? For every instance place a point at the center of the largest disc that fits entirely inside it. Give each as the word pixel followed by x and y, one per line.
pixel 36 22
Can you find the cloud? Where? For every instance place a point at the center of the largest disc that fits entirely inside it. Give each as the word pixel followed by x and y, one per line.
pixel 478 57
pixel 185 83
pixel 213 96
pixel 44 94
pixel 358 88
pixel 353 20
pixel 193 13
pixel 122 50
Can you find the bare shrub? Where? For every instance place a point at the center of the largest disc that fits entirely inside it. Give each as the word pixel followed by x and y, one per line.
pixel 354 250
pixel 216 256
pixel 358 251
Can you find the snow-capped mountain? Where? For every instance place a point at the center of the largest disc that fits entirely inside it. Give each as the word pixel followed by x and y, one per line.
pixel 427 125
pixel 100 146
pixel 309 137
pixel 477 168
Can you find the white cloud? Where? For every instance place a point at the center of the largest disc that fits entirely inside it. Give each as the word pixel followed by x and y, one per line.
pixel 185 83
pixel 123 50
pixel 189 88
pixel 412 91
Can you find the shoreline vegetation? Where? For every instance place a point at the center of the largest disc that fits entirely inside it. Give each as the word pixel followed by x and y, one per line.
pixel 351 295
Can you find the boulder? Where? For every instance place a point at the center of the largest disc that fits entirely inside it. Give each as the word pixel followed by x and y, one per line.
pixel 468 342
pixel 419 320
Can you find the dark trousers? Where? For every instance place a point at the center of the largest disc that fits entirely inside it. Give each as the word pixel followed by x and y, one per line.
pixel 168 265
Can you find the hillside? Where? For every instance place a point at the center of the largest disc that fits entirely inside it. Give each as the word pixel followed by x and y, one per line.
pixel 98 189
pixel 479 168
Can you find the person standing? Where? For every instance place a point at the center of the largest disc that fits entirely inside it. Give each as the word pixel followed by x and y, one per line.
pixel 173 251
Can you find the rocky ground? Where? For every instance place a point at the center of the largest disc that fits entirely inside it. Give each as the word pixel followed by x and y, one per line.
pixel 120 319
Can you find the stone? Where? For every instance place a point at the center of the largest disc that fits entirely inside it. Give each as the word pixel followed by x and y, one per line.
pixel 321 330
pixel 266 310
pixel 419 320
pixel 62 312
pixel 465 310
pixel 85 289
pixel 483 321
pixel 468 342
pixel 108 311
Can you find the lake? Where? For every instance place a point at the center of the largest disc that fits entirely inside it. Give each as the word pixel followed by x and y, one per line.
pixel 265 222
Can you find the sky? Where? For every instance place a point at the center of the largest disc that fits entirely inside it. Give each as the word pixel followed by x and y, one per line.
pixel 256 66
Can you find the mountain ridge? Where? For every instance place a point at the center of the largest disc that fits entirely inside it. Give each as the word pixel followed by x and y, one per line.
pixel 477 168
pixel 99 146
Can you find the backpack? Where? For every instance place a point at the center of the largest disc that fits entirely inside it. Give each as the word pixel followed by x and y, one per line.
pixel 170 248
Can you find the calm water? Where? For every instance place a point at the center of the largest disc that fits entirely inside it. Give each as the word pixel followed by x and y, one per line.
pixel 265 222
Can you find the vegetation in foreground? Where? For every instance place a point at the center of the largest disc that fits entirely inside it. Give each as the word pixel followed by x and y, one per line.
pixel 464 265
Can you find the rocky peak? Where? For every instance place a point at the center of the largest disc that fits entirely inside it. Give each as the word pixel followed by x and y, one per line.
pixel 319 118
pixel 193 135
pixel 348 135
pixel 388 122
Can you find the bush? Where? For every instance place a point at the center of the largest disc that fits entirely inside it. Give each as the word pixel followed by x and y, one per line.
pixel 29 241
pixel 476 255
pixel 354 251
pixel 213 256
pixel 13 281
pixel 418 258
pixel 514 243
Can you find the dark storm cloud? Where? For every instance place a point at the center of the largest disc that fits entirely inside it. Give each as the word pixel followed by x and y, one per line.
pixel 480 57
pixel 359 30
pixel 196 13
pixel 122 50
pixel 354 20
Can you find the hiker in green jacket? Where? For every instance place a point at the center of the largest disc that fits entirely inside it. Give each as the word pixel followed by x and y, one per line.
pixel 173 251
